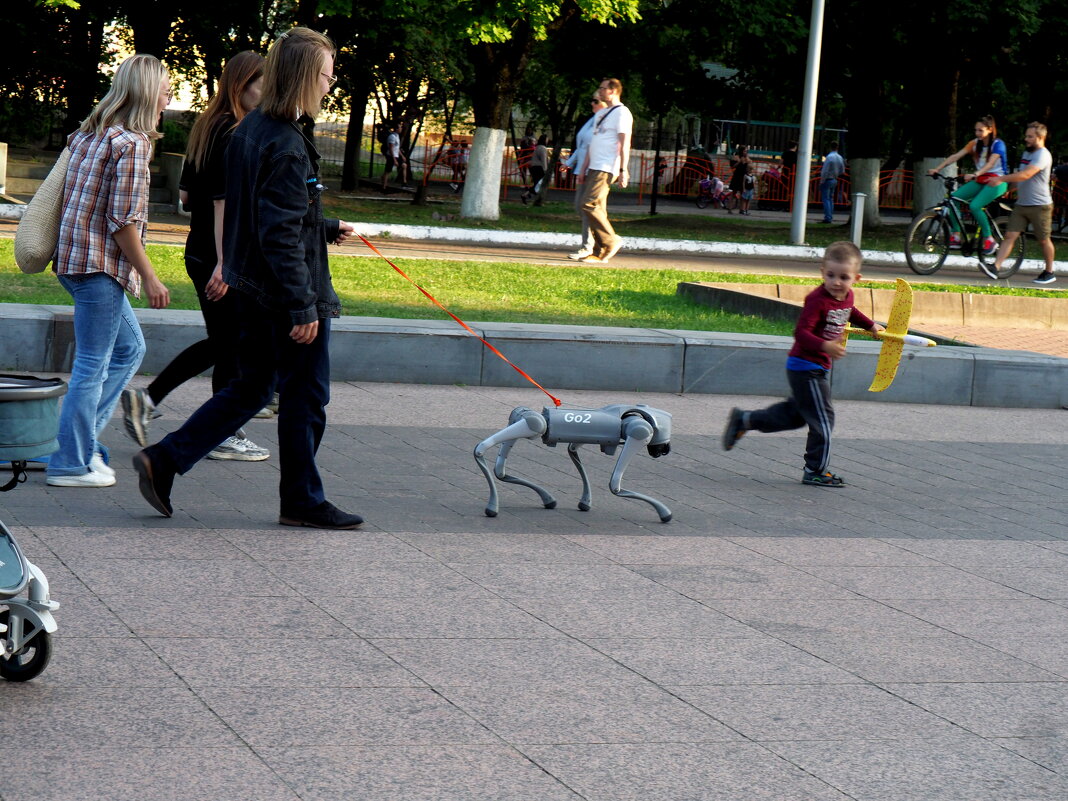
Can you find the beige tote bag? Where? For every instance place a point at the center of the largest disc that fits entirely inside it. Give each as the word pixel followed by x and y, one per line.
pixel 38 231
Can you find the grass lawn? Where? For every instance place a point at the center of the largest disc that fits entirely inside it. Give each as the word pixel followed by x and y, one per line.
pixel 559 216
pixel 488 291
pixel 479 291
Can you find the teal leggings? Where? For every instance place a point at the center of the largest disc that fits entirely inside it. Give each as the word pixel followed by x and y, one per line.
pixel 977 196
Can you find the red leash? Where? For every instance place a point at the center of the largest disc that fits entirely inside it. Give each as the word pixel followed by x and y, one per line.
pixel 466 327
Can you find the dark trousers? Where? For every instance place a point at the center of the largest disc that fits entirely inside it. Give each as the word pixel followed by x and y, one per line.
pixel 219 350
pixel 303 374
pixel 809 404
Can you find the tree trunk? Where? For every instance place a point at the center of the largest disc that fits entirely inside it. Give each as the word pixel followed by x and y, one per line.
pixel 864 177
pixel 151 25
pixel 498 70
pixel 360 91
pixel 926 192
pixel 482 191
pixel 87 48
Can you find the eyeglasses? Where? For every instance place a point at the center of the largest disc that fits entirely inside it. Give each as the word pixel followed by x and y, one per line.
pixel 330 79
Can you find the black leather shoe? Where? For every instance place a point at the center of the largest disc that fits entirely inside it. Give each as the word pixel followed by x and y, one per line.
pixel 155 481
pixel 325 515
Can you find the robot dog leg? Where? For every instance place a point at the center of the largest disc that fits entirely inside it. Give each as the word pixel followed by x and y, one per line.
pixel 637 431
pixel 524 423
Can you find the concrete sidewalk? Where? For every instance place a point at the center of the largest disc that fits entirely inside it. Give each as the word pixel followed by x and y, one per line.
pixel 902 639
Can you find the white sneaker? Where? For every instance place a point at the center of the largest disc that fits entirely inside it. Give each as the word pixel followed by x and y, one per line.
pixel 90 479
pixel 98 465
pixel 239 449
pixel 580 254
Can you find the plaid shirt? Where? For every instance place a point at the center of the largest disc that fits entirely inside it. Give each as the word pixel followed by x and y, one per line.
pixel 106 189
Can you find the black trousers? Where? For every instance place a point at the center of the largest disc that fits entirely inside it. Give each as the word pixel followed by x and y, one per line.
pixel 266 353
pixel 809 404
pixel 219 350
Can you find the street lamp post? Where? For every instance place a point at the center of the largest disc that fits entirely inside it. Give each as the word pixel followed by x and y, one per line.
pixel 808 124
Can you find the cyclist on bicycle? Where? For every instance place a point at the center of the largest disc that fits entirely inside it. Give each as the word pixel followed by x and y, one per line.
pixel 991 158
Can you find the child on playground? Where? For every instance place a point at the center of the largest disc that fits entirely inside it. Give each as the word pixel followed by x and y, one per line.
pixel 818 341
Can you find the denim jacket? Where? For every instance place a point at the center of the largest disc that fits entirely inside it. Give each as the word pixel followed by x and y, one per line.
pixel 274 234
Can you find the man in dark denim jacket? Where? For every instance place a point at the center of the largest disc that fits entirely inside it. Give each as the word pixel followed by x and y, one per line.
pixel 265 159
pixel 274 246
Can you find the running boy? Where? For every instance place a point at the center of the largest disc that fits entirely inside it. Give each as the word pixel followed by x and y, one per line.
pixel 818 340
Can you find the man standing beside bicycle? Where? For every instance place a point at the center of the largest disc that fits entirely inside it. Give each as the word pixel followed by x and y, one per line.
pixel 1034 203
pixel 991 160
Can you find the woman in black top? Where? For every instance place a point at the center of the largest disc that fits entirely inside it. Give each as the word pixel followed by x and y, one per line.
pixel 203 189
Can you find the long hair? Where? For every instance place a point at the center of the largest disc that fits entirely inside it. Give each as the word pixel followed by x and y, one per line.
pixel 239 72
pixel 132 101
pixel 988 122
pixel 291 75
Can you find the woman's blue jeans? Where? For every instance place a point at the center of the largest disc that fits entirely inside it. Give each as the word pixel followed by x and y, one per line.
pixel 108 348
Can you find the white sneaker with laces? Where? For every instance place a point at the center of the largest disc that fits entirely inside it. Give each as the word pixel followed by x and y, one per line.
pixel 90 479
pixel 580 254
pixel 98 465
pixel 239 449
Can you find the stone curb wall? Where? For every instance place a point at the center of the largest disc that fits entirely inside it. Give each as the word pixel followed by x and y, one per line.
pixel 561 357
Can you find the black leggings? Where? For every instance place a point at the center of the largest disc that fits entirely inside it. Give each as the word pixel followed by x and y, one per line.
pixel 219 350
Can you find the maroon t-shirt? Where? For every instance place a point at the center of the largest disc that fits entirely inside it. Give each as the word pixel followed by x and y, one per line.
pixel 824 318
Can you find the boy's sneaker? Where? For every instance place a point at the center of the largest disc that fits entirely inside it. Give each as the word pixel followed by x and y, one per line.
pixel 989 270
pixel 990 246
pixel 137 411
pixel 734 430
pixel 826 479
pixel 954 240
pixel 580 254
pixel 1044 277
pixel 239 449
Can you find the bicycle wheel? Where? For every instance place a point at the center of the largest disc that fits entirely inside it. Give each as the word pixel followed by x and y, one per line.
pixel 702 201
pixel 927 242
pixel 1013 259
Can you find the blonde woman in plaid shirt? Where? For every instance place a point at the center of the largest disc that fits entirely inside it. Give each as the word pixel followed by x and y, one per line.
pixel 101 256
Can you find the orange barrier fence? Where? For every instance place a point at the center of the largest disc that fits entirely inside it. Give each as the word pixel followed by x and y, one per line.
pixel 679 177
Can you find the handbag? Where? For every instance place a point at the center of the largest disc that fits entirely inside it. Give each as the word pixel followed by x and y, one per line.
pixel 38 232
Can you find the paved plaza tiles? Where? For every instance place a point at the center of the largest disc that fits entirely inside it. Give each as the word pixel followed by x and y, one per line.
pixel 902 639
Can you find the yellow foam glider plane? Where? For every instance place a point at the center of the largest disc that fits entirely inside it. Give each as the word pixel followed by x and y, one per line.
pixel 894 338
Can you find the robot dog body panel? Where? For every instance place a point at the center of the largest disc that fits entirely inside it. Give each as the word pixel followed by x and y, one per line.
pixel 629 425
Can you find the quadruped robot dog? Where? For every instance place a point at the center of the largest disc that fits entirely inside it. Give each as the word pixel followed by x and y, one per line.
pixel 631 426
pixel 608 427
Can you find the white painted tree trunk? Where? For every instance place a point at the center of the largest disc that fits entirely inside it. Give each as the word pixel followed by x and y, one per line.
pixel 864 177
pixel 482 188
pixel 927 192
